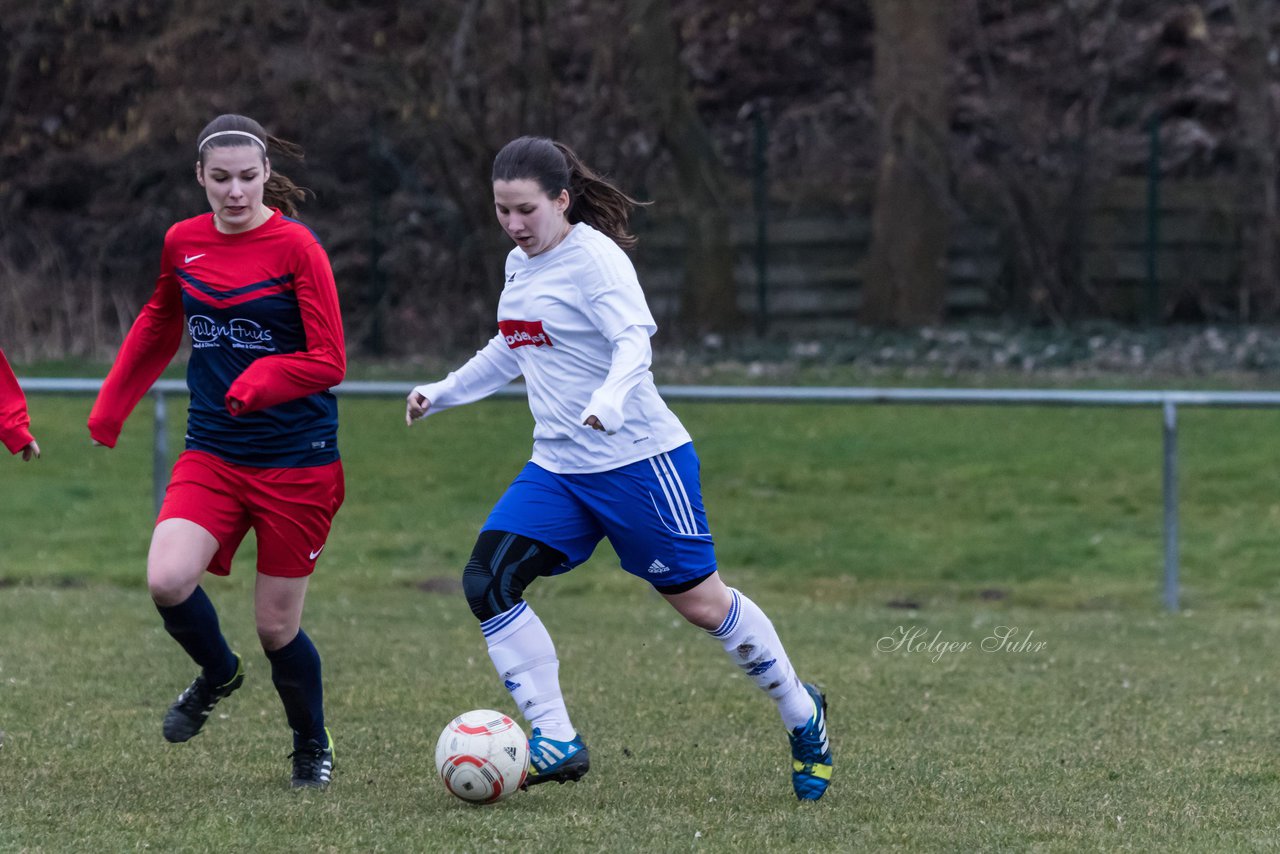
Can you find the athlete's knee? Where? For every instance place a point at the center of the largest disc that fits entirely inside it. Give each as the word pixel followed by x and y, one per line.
pixel 275 628
pixel 502 565
pixel 704 602
pixel 179 553
pixel 277 609
pixel 476 581
pixel 170 583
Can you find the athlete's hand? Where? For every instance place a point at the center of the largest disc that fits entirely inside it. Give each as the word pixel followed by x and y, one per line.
pixel 31 451
pixel 234 405
pixel 594 423
pixel 415 407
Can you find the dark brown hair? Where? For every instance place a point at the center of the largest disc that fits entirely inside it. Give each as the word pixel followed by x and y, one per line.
pixel 279 191
pixel 556 167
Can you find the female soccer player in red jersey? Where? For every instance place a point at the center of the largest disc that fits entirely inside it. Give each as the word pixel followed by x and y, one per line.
pixel 255 292
pixel 15 424
pixel 610 460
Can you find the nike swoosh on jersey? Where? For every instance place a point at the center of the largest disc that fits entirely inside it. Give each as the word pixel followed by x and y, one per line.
pixel 187 259
pixel 315 554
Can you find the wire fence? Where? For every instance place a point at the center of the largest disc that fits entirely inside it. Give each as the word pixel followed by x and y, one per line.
pixel 1167 401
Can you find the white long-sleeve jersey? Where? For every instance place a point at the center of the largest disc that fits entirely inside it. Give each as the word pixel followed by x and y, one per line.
pixel 574 322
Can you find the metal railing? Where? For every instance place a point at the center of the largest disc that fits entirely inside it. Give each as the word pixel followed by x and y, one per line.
pixel 1168 401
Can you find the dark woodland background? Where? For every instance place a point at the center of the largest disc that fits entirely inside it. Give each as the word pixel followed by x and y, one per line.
pixel 816 166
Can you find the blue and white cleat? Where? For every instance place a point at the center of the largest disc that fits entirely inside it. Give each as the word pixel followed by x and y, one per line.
pixel 811 752
pixel 559 761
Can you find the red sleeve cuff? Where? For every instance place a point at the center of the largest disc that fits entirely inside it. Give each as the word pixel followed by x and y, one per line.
pixel 239 393
pixel 103 434
pixel 16 440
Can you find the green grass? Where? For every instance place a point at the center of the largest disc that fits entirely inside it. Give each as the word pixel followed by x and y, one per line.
pixel 1129 729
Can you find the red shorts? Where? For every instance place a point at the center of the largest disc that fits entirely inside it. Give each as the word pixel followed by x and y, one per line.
pixel 290 509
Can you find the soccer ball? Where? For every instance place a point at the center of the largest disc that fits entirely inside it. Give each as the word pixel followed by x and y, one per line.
pixel 482 756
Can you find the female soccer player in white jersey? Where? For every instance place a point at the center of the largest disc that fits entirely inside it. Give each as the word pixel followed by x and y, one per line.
pixel 610 460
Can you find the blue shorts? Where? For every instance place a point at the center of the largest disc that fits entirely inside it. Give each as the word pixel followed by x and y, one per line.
pixel 651 512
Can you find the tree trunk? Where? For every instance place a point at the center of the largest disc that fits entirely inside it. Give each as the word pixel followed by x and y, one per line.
pixel 709 297
pixel 537 89
pixel 906 274
pixel 1259 171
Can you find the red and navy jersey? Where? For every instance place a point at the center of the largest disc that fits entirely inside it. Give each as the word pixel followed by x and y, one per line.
pixel 15 433
pixel 261 309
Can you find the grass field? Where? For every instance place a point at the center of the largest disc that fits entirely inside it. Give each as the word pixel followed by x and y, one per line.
pixel 1103 723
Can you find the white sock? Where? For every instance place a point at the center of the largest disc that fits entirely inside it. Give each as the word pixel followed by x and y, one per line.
pixel 525 658
pixel 751 641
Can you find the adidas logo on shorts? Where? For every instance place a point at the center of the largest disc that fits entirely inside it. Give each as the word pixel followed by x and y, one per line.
pixel 658 567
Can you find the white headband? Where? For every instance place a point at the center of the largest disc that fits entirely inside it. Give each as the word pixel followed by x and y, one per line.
pixel 251 136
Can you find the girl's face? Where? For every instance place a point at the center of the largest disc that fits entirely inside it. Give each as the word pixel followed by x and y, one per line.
pixel 535 222
pixel 233 178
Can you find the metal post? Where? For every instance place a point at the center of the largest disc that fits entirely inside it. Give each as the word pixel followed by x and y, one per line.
pixel 1170 505
pixel 160 451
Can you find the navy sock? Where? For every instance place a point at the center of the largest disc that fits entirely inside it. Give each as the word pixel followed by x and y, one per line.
pixel 194 625
pixel 295 670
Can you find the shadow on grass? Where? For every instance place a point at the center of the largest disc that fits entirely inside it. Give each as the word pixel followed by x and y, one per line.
pixel 65 582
